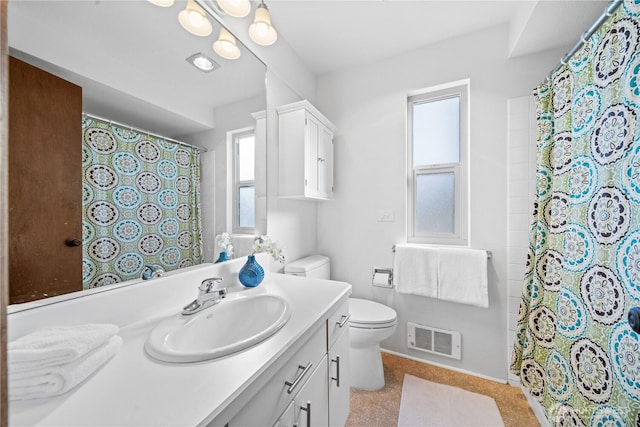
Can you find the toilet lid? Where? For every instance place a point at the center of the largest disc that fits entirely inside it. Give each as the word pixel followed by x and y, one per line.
pixel 370 312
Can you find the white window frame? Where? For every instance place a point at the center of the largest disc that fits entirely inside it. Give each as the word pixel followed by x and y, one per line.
pixel 460 236
pixel 233 190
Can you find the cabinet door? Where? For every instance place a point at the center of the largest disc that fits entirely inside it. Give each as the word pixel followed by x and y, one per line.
pixel 339 383
pixel 311 404
pixel 325 162
pixel 312 132
pixel 286 419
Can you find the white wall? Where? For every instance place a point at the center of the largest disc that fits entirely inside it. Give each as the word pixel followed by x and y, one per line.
pixel 213 183
pixel 368 106
pixel 521 191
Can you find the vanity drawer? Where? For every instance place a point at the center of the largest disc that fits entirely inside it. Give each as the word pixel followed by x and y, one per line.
pixel 337 323
pixel 267 405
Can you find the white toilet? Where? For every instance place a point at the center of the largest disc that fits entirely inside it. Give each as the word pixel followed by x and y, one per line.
pixel 370 323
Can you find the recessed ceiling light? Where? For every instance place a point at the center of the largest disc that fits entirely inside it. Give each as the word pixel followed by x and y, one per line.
pixel 203 62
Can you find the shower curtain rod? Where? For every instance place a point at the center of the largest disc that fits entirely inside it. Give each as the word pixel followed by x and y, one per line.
pixel 585 37
pixel 201 149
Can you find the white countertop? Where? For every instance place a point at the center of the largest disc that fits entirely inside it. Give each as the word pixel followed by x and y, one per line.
pixel 133 389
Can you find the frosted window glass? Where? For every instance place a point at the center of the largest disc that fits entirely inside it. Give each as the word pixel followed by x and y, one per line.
pixel 246 206
pixel 246 158
pixel 436 132
pixel 435 207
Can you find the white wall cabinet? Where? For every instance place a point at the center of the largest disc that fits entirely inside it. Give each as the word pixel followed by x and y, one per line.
pixel 305 152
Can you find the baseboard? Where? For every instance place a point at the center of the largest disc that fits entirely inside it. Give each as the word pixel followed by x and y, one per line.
pixel 536 407
pixel 440 365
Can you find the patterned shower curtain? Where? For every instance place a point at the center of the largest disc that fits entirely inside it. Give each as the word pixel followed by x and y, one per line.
pixel 574 350
pixel 141 203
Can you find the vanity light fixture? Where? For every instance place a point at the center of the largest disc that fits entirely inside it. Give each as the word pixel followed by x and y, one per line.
pixel 162 3
pixel 261 31
pixel 194 19
pixel 203 62
pixel 226 46
pixel 235 8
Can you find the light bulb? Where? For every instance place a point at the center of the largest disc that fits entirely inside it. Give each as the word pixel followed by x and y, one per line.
pixel 226 46
pixel 235 8
pixel 261 31
pixel 162 3
pixel 194 20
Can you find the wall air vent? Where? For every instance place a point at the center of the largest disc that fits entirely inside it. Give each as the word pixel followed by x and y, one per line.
pixel 435 341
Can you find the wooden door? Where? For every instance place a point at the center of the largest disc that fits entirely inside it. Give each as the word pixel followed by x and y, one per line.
pixel 45 184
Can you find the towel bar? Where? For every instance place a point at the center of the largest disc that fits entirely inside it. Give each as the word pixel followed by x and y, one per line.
pixel 489 253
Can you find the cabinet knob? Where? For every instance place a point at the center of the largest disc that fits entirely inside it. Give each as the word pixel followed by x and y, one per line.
pixel 73 242
pixel 320 159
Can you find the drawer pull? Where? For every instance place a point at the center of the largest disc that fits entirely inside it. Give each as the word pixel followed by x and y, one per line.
pixel 296 381
pixel 337 377
pixel 343 320
pixel 307 409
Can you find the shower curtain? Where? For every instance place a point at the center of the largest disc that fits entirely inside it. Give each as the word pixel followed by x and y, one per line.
pixel 574 350
pixel 141 203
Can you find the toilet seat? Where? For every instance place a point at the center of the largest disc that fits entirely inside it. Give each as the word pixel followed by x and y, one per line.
pixel 367 314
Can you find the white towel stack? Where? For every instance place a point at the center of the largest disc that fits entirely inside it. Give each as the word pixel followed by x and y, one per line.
pixel 52 361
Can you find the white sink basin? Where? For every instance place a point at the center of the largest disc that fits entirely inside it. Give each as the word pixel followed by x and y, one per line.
pixel 235 324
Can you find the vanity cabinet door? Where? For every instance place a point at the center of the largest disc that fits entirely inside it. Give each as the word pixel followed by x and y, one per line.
pixel 339 380
pixel 273 397
pixel 287 418
pixel 311 404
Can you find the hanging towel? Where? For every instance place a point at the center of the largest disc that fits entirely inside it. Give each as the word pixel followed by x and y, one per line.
pixel 242 244
pixel 55 380
pixel 415 270
pixel 56 346
pixel 462 276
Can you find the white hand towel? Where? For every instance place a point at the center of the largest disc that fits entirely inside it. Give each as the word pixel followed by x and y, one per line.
pixel 242 245
pixel 56 380
pixel 462 276
pixel 56 345
pixel 415 270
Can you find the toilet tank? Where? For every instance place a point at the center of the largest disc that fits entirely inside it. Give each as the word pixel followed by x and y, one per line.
pixel 315 266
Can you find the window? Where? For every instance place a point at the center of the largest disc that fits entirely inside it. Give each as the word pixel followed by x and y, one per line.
pixel 244 200
pixel 437 164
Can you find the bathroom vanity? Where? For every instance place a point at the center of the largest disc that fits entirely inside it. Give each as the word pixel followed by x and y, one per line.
pixel 296 376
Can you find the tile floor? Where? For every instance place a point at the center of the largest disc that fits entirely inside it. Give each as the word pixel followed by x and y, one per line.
pixel 380 408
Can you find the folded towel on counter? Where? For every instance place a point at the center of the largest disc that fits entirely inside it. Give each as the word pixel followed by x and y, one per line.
pixel 415 270
pixel 56 346
pixel 462 276
pixel 55 380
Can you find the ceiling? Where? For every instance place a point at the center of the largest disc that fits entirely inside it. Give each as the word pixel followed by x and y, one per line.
pixel 330 35
pixel 129 55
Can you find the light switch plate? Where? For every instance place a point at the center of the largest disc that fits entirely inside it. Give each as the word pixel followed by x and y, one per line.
pixel 385 215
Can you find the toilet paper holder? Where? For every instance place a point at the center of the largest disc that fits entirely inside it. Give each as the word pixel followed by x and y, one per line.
pixel 378 271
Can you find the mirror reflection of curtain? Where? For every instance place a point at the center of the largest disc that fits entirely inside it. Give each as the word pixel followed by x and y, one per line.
pixel 574 349
pixel 141 203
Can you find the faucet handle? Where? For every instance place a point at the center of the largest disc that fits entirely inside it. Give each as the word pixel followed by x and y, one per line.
pixel 207 285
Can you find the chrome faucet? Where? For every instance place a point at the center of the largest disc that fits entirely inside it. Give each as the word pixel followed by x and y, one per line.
pixel 207 296
pixel 151 272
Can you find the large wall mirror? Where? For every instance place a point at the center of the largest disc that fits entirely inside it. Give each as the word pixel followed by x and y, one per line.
pixel 130 60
